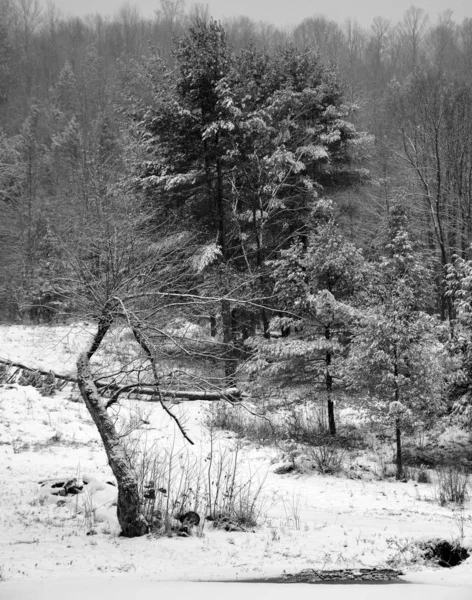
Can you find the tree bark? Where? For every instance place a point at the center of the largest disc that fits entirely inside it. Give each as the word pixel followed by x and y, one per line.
pixel 398 430
pixel 331 419
pixel 329 387
pixel 265 323
pixel 399 449
pixel 213 329
pixel 228 341
pixel 129 508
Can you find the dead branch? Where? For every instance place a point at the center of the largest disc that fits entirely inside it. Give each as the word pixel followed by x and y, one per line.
pixel 11 363
pixel 142 342
pixel 231 394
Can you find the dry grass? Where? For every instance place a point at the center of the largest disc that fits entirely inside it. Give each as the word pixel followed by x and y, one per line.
pixel 452 485
pixel 174 482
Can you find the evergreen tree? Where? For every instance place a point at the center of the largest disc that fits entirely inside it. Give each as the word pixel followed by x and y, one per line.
pixel 395 353
pixel 459 289
pixel 243 147
pixel 314 285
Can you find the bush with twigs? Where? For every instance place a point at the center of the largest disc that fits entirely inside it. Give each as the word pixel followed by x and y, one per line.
pixel 452 485
pixel 303 423
pixel 175 482
pixel 260 429
pixel 328 459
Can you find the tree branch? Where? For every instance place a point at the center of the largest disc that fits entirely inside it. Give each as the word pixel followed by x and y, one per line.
pixel 231 394
pixel 147 350
pixel 11 363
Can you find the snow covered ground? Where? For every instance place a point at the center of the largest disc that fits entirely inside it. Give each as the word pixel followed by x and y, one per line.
pixel 309 521
pixel 126 588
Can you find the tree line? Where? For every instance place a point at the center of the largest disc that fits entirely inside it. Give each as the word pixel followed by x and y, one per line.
pixel 68 85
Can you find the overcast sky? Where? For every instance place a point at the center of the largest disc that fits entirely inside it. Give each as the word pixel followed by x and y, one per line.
pixel 286 12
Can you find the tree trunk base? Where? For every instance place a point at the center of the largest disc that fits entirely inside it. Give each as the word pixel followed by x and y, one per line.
pixel 129 505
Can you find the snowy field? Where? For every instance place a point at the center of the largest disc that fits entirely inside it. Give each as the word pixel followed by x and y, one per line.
pixel 308 521
pixel 126 588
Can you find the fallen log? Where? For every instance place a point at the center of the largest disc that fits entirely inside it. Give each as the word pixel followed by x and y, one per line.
pixel 11 363
pixel 156 394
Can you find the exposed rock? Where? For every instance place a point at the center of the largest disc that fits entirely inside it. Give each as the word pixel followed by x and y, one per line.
pixel 227 523
pixel 150 491
pixel 62 487
pixel 190 518
pixel 183 533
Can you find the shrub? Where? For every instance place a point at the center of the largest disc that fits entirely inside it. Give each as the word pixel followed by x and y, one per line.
pixel 258 429
pixel 301 423
pixel 32 378
pixel 232 500
pixel 452 485
pixel 409 473
pixel 48 385
pixel 307 425
pixel 174 483
pixel 423 476
pixel 328 459
pixel 386 469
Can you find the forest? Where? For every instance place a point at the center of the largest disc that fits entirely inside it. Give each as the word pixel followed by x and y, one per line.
pixel 302 195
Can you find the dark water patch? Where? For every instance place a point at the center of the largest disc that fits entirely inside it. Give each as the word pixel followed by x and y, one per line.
pixel 444 553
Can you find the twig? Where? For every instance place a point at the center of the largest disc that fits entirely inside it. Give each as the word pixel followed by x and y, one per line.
pixel 142 342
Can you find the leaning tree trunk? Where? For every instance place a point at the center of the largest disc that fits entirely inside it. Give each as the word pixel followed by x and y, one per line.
pixel 129 507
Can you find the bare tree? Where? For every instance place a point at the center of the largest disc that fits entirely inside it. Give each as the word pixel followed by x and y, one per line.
pixel 352 59
pixel 434 117
pixel 129 509
pixel 142 276
pixel 442 43
pixel 171 10
pixel 412 31
pixel 199 11
pixel 129 18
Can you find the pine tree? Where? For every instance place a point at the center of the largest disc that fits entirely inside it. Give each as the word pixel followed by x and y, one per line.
pixel 314 284
pixel 459 289
pixel 395 353
pixel 242 148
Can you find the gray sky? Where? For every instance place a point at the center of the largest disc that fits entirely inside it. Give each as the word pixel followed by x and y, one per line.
pixel 286 12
